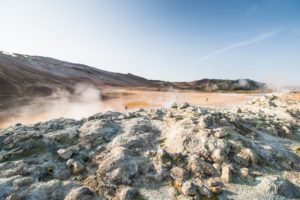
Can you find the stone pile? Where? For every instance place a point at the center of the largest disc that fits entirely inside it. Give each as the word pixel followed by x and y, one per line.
pixel 182 152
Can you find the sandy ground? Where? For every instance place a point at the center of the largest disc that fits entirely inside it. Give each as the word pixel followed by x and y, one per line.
pixel 152 99
pixel 118 100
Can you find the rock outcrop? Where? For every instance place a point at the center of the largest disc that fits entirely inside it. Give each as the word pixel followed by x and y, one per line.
pixel 241 153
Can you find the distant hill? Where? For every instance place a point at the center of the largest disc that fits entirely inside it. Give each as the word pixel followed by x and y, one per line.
pixel 23 77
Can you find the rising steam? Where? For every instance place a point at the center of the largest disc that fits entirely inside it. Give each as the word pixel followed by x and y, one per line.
pixel 84 102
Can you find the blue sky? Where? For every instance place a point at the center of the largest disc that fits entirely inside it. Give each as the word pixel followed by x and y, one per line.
pixel 177 40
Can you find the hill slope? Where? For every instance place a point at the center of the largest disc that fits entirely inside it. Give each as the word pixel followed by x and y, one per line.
pixel 24 77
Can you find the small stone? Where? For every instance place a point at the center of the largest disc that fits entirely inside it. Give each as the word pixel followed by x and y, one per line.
pixel 82 193
pixel 226 174
pixel 216 190
pixel 178 173
pixel 178 118
pixel 217 166
pixel 70 162
pixel 189 188
pixel 247 157
pixel 205 191
pixel 77 167
pixel 286 130
pixel 174 105
pixel 217 156
pixel 13 197
pixel 221 134
pixel 65 153
pixel 161 153
pixel 7 141
pixel 213 183
pixel 197 197
pixel 182 197
pixel 244 171
pixel 184 105
pixel 128 194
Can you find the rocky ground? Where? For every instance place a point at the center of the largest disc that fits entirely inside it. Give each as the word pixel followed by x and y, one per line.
pixel 183 152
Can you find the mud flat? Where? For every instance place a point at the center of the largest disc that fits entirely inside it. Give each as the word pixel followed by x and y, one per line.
pixel 47 108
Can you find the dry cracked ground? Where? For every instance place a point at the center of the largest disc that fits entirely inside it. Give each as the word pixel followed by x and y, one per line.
pixel 183 152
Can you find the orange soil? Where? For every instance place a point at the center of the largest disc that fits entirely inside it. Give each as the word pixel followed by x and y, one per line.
pixel 295 96
pixel 119 99
pixel 153 99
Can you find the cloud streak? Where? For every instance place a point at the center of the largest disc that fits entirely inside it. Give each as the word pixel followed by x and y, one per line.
pixel 255 40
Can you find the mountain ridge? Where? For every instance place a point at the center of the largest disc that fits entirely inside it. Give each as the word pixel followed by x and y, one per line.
pixel 24 77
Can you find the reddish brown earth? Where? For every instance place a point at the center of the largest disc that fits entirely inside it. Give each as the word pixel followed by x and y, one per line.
pixel 118 100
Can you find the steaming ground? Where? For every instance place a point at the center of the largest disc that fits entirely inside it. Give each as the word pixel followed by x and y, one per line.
pixel 88 100
pixel 181 152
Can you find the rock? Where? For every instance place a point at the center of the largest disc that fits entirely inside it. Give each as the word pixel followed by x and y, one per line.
pixel 198 166
pixel 70 162
pixel 183 197
pixel 120 165
pixel 244 172
pixel 273 187
pixel 213 182
pixel 82 193
pixel 178 173
pixel 53 189
pixel 184 105
pixel 226 174
pixel 206 121
pixel 13 197
pixel 204 191
pixel 64 153
pixel 178 118
pixel 23 182
pixel 286 130
pixel 217 166
pixel 221 134
pixel 247 157
pixel 77 167
pixel 189 188
pixel 288 189
pixel 128 194
pixel 197 197
pixel 158 114
pixel 174 105
pixel 161 153
pixel 218 156
pixel 216 189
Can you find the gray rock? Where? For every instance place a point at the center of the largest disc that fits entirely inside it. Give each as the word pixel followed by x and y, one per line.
pixel 128 194
pixel 82 193
pixel 174 105
pixel 179 174
pixel 13 197
pixel 218 156
pixel 184 105
pixel 64 153
pixel 203 190
pixel 70 162
pixel 77 167
pixel 189 188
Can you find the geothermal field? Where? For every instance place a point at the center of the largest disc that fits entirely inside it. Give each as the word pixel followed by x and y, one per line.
pixel 212 150
pixel 77 136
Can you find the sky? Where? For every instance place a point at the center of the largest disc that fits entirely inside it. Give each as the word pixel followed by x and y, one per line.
pixel 175 40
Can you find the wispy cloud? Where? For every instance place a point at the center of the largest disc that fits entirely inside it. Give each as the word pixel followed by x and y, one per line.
pixel 257 39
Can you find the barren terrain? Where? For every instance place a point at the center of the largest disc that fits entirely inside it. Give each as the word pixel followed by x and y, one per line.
pixel 184 151
pixel 117 100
